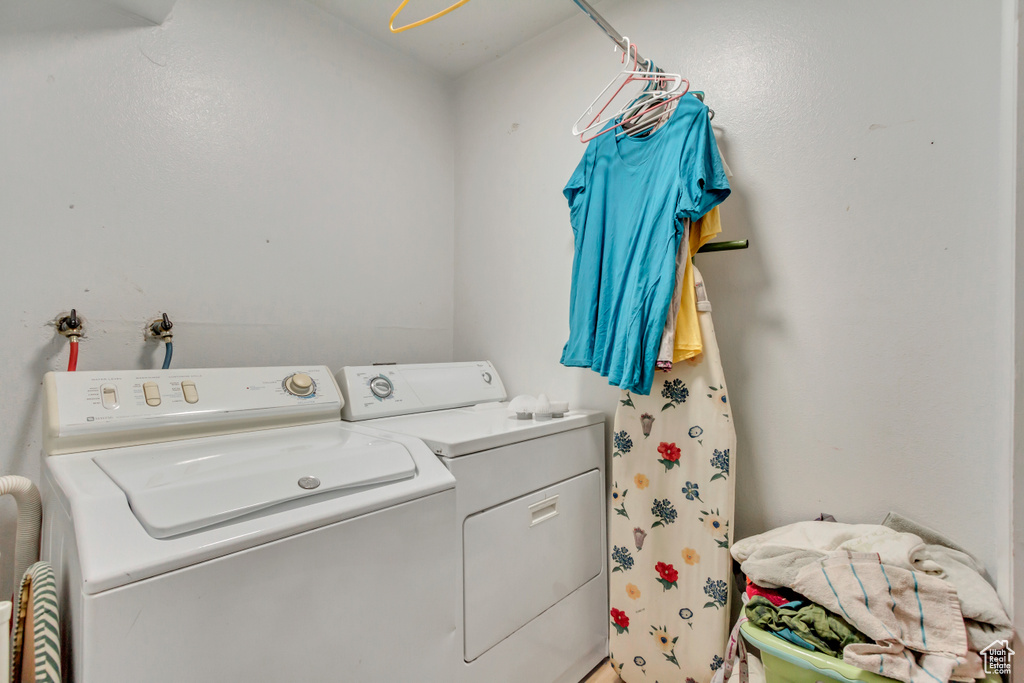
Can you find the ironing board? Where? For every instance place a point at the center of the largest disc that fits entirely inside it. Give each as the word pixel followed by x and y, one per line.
pixel 35 655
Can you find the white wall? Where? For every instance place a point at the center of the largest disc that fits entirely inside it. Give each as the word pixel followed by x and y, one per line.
pixel 244 167
pixel 867 333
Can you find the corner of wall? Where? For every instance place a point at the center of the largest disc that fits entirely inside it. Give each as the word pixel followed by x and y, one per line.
pixel 1016 550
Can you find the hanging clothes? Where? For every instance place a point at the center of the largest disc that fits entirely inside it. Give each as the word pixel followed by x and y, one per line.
pixel 688 340
pixel 666 351
pixel 628 198
pixel 681 338
pixel 670 521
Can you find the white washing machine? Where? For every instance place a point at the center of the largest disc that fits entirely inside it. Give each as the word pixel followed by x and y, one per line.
pixel 225 525
pixel 533 589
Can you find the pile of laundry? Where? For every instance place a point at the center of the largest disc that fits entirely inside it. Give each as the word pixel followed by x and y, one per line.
pixel 895 599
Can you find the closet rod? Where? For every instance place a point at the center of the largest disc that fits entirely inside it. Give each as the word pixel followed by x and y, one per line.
pixel 607 28
pixel 724 246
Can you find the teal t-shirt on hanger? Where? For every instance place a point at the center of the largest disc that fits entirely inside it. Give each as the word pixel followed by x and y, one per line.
pixel 627 200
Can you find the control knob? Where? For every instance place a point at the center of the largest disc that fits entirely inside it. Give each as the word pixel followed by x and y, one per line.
pixel 381 386
pixel 300 384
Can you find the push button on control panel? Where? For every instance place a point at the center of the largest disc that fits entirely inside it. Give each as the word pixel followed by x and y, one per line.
pixel 108 396
pixel 188 390
pixel 152 393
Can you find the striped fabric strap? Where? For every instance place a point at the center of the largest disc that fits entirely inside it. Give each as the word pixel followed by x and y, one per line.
pixel 39 582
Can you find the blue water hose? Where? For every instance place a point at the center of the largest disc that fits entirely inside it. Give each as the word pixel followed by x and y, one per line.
pixel 168 352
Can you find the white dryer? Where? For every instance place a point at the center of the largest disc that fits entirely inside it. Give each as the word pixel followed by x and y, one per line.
pixel 533 595
pixel 225 525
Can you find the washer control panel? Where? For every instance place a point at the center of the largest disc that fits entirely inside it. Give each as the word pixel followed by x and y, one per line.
pixel 372 391
pixel 183 403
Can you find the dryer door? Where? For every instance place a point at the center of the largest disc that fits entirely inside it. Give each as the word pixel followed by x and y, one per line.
pixel 523 556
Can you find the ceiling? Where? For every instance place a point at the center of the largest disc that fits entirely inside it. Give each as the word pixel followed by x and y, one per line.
pixel 476 33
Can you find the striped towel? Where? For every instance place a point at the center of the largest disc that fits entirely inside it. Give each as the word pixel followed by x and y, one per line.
pixel 906 613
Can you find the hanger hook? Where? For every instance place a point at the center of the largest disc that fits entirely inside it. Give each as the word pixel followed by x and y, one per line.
pixel 636 53
pixel 630 45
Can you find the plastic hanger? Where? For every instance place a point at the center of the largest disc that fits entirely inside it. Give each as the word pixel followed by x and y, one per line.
pixel 651 114
pixel 661 103
pixel 628 71
pixel 641 114
pixel 648 102
pixel 632 74
pixel 699 94
pixel 646 93
pixel 421 22
pixel 658 85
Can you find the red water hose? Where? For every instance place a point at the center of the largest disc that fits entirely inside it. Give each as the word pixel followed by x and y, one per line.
pixel 73 358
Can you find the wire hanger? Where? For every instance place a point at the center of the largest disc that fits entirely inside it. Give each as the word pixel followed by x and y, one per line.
pixel 421 22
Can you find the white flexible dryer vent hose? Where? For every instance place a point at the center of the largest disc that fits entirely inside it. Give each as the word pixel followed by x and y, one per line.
pixel 26 550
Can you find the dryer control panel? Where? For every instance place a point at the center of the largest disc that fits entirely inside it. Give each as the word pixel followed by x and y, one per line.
pixel 372 391
pixel 90 410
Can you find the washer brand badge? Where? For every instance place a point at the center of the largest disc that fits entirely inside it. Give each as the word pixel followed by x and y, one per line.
pixel 998 658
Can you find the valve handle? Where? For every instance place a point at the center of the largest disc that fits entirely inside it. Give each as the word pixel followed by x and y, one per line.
pixel 161 327
pixel 69 322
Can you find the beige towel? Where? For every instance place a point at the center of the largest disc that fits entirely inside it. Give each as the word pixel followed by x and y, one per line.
pixel 901 610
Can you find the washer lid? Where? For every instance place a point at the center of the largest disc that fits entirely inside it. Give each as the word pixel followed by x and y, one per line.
pixel 461 431
pixel 175 488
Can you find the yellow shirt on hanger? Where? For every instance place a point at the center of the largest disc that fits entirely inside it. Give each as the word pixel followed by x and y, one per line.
pixel 688 341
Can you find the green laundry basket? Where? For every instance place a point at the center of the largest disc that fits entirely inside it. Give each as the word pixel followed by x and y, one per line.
pixel 785 662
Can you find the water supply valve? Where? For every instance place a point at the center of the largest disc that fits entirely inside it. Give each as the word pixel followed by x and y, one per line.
pixel 70 325
pixel 161 328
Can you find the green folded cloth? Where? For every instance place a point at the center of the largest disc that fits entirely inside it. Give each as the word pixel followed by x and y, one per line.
pixel 811 623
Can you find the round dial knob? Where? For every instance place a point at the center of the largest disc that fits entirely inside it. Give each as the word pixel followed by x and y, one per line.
pixel 381 387
pixel 300 384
